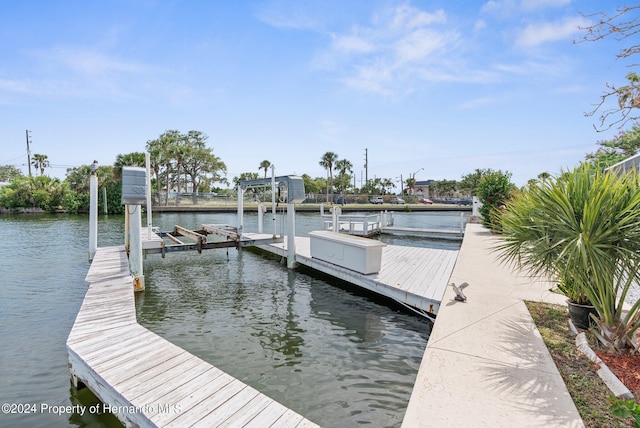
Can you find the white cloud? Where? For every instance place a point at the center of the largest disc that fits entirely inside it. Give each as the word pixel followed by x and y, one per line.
pixel 537 34
pixel 400 45
pixel 90 62
pixel 352 43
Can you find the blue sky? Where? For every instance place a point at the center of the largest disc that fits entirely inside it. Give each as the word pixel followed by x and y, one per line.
pixel 441 85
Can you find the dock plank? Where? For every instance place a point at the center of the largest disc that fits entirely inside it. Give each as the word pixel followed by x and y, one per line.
pixel 127 365
pixel 414 276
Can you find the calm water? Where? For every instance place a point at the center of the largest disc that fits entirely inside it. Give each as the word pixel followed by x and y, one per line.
pixel 319 347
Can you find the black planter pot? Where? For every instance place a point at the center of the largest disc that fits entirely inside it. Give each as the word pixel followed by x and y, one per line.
pixel 580 314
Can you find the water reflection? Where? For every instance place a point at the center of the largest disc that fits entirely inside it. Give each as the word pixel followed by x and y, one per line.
pixel 332 354
pixel 328 353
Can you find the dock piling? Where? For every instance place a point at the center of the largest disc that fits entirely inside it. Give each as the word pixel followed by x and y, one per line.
pixel 93 211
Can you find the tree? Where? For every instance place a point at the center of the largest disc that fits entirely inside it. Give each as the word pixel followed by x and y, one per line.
pixel 200 162
pixel 444 187
pixel 622 146
pixel 386 184
pixel 344 167
pixel 9 172
pixel 623 26
pixel 494 188
pixel 327 161
pixel 128 159
pixel 245 176
pixel 40 162
pixel 581 229
pixel 469 182
pixel 410 184
pixel 265 165
pixel 313 185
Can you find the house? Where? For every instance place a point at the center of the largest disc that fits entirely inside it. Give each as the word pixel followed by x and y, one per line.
pixel 626 165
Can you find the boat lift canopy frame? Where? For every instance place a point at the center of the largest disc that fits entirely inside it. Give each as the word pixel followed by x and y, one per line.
pixel 294 194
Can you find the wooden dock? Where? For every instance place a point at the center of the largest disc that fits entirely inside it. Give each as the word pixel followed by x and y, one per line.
pixel 412 276
pixel 448 234
pixel 147 381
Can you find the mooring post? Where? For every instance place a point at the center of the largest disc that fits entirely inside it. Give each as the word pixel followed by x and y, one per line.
pixel 93 211
pixel 134 184
pixel 291 236
pixel 147 162
pixel 135 246
pixel 273 199
pixel 260 217
pixel 240 210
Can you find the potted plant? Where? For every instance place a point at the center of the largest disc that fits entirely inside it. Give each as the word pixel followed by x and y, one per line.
pixel 583 229
pixel 578 305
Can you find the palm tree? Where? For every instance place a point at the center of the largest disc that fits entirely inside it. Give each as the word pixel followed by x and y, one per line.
pixel 344 166
pixel 265 164
pixel 40 162
pixel 327 161
pixel 581 229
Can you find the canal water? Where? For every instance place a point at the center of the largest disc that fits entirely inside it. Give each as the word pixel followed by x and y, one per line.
pixel 335 355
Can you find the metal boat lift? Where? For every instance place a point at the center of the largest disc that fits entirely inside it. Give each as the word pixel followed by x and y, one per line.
pixel 289 189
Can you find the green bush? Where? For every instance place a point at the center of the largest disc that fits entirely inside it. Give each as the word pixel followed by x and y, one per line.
pixel 494 189
pixel 583 230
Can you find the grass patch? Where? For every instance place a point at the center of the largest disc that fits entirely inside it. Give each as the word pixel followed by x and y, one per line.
pixel 590 394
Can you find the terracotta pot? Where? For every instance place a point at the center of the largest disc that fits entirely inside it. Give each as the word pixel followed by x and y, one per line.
pixel 580 314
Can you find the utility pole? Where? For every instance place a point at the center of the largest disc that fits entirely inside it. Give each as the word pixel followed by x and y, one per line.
pixel 28 153
pixel 366 166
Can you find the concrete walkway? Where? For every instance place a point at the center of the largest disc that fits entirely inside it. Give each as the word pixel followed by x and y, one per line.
pixel 485 364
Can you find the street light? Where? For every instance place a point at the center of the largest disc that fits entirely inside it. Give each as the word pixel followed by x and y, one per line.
pixel 414 180
pixel 401 188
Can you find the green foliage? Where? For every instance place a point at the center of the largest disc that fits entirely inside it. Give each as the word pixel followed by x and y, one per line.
pixel 245 176
pixel 469 182
pixel 444 187
pixel 174 155
pixel 128 159
pixel 493 190
pixel 327 161
pixel 622 146
pixel 9 172
pixel 313 185
pixel 74 202
pixel 583 229
pixel 626 408
pixel 40 161
pixel 41 192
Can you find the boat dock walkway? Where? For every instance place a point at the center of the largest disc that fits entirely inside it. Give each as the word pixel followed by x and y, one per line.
pixel 147 381
pixel 413 276
pixel 486 364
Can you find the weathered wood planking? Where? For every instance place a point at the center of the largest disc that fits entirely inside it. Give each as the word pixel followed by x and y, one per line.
pixel 144 379
pixel 415 276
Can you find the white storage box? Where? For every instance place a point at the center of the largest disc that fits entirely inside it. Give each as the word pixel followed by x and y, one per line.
pixel 362 255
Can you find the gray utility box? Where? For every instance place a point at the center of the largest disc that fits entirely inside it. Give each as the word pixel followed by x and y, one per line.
pixel 134 185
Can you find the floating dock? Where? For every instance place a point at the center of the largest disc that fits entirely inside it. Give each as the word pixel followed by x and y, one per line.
pixel 147 381
pixel 412 276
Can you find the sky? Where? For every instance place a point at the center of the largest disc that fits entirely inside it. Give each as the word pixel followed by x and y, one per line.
pixel 431 89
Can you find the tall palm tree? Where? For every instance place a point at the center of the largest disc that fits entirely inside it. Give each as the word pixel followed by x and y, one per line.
pixel 327 161
pixel 40 162
pixel 264 165
pixel 344 166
